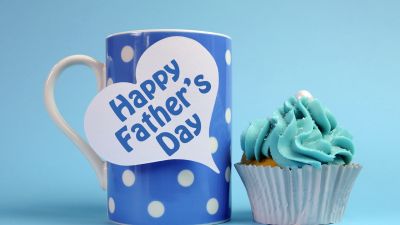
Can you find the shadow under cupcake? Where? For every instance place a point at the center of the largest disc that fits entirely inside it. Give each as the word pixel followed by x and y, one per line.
pixel 296 166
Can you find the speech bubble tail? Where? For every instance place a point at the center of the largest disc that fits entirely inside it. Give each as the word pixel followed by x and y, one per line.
pixel 214 167
pixel 210 163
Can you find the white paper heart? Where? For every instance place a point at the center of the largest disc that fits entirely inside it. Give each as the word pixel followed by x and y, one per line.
pixel 171 104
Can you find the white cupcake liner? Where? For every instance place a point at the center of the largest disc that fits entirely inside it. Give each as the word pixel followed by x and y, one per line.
pixel 298 196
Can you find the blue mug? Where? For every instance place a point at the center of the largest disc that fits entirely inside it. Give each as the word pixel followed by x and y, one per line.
pixel 167 192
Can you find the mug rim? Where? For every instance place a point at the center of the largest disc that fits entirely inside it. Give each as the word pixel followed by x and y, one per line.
pixel 168 30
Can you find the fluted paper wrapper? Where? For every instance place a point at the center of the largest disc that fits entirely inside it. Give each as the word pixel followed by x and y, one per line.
pixel 304 195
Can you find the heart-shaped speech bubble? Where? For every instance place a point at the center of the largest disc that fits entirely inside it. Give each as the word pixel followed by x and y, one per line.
pixel 165 115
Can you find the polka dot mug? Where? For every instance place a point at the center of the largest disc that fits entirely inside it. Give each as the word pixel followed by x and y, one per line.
pixel 167 192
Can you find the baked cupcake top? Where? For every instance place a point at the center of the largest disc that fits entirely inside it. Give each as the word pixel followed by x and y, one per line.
pixel 301 132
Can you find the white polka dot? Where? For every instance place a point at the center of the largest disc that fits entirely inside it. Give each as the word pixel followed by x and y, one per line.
pixel 127 53
pixel 109 81
pixel 228 115
pixel 212 206
pixel 214 144
pixel 228 57
pixel 111 205
pixel 155 209
pixel 228 174
pixel 128 178
pixel 185 178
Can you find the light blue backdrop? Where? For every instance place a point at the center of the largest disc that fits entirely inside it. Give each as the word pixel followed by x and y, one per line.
pixel 347 53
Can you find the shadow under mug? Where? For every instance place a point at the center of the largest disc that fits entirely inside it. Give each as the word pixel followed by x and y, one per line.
pixel 167 192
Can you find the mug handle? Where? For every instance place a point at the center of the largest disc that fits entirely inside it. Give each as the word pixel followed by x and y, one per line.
pixel 95 161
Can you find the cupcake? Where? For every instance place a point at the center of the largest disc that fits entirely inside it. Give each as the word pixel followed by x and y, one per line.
pixel 296 165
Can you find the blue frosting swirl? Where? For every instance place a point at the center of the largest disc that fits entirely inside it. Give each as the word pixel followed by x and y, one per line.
pixel 302 132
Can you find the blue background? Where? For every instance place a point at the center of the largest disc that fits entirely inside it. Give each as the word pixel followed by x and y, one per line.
pixel 347 53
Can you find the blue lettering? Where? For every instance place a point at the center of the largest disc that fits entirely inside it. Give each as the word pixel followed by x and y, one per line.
pixel 165 136
pixel 146 119
pixel 174 71
pixel 149 88
pixel 196 124
pixel 141 133
pixel 155 113
pixel 182 98
pixel 138 99
pixel 184 134
pixel 124 139
pixel 161 78
pixel 203 85
pixel 118 108
pixel 171 104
